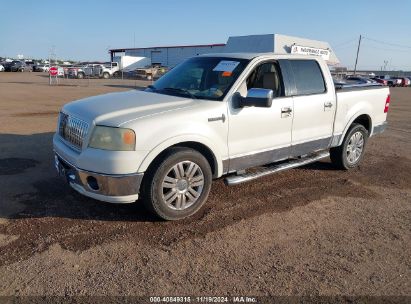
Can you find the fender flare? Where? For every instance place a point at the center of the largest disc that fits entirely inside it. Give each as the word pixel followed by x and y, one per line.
pixel 153 153
pixel 347 126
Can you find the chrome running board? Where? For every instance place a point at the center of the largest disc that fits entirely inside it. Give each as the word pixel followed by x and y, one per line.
pixel 238 179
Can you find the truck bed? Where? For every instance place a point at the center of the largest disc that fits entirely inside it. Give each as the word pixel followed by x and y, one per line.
pixel 353 99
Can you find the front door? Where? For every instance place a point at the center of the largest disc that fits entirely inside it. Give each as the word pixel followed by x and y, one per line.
pixel 256 135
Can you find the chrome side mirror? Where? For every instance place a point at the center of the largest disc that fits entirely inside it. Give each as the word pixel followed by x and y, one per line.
pixel 257 98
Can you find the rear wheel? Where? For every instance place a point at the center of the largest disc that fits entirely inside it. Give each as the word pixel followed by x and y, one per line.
pixel 351 152
pixel 178 185
pixel 106 75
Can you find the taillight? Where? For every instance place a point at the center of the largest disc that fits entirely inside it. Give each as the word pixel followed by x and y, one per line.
pixel 387 103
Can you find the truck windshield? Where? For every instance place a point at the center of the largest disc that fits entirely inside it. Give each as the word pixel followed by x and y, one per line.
pixel 201 78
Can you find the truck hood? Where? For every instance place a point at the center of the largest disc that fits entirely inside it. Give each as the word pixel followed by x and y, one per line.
pixel 115 109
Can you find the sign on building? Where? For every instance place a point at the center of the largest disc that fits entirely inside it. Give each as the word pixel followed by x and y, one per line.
pixel 306 50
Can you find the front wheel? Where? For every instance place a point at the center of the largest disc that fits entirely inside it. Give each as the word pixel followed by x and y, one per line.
pixel 178 185
pixel 106 75
pixel 351 152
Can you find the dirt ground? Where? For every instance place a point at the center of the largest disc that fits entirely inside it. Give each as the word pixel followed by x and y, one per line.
pixel 308 231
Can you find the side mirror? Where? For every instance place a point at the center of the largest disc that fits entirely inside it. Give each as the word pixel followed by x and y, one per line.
pixel 262 98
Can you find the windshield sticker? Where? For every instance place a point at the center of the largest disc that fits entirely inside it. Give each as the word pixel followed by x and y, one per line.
pixel 226 66
pixel 227 74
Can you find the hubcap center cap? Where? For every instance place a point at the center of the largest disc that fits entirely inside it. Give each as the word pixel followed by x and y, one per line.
pixel 182 185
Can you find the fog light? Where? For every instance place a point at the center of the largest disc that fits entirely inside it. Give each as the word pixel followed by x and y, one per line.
pixel 92 183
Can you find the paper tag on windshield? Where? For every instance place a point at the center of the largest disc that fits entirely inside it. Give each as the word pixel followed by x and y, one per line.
pixel 226 66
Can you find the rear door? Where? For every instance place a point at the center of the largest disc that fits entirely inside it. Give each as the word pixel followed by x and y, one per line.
pixel 314 107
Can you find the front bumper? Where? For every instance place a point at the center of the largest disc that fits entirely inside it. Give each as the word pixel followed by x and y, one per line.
pixel 104 187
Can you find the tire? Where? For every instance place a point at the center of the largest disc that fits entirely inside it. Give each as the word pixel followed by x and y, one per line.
pixel 106 75
pixel 351 152
pixel 80 75
pixel 187 177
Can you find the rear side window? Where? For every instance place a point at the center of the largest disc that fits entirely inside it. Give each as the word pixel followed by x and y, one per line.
pixel 308 77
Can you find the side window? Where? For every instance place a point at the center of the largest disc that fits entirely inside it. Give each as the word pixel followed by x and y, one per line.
pixel 267 76
pixel 308 77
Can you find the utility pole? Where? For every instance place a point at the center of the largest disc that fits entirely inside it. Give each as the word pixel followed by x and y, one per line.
pixel 356 59
pixel 385 65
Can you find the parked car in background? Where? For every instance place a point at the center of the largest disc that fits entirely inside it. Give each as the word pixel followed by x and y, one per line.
pixel 41 68
pixel 383 82
pixel 107 70
pixel 402 81
pixel 66 68
pixel 79 71
pixel 36 67
pixel 1 68
pixel 407 82
pixel 391 82
pixel 148 73
pixel 396 82
pixel 15 66
pixel 29 65
pixel 359 79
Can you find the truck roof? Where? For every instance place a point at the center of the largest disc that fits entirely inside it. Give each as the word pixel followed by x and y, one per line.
pixel 254 55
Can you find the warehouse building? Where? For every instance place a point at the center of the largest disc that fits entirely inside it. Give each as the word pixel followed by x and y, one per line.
pixel 170 56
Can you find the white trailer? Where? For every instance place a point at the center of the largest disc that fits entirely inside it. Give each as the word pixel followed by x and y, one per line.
pixel 130 63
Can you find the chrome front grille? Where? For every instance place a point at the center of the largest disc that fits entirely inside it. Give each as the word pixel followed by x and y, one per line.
pixel 72 130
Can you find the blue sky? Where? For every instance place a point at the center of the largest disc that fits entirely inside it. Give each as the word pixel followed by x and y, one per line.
pixel 84 30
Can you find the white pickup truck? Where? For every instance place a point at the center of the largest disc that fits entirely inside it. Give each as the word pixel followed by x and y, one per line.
pixel 107 70
pixel 212 116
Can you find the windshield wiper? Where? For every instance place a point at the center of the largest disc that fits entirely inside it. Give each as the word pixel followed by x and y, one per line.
pixel 178 90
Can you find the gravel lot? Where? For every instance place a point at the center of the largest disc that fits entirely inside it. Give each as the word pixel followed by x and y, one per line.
pixel 308 231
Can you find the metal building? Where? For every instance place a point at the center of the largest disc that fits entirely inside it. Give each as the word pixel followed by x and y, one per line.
pixel 169 56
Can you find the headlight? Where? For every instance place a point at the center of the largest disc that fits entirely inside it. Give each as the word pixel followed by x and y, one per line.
pixel 115 139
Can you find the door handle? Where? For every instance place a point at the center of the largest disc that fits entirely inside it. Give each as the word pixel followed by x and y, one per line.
pixel 328 105
pixel 222 118
pixel 286 110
